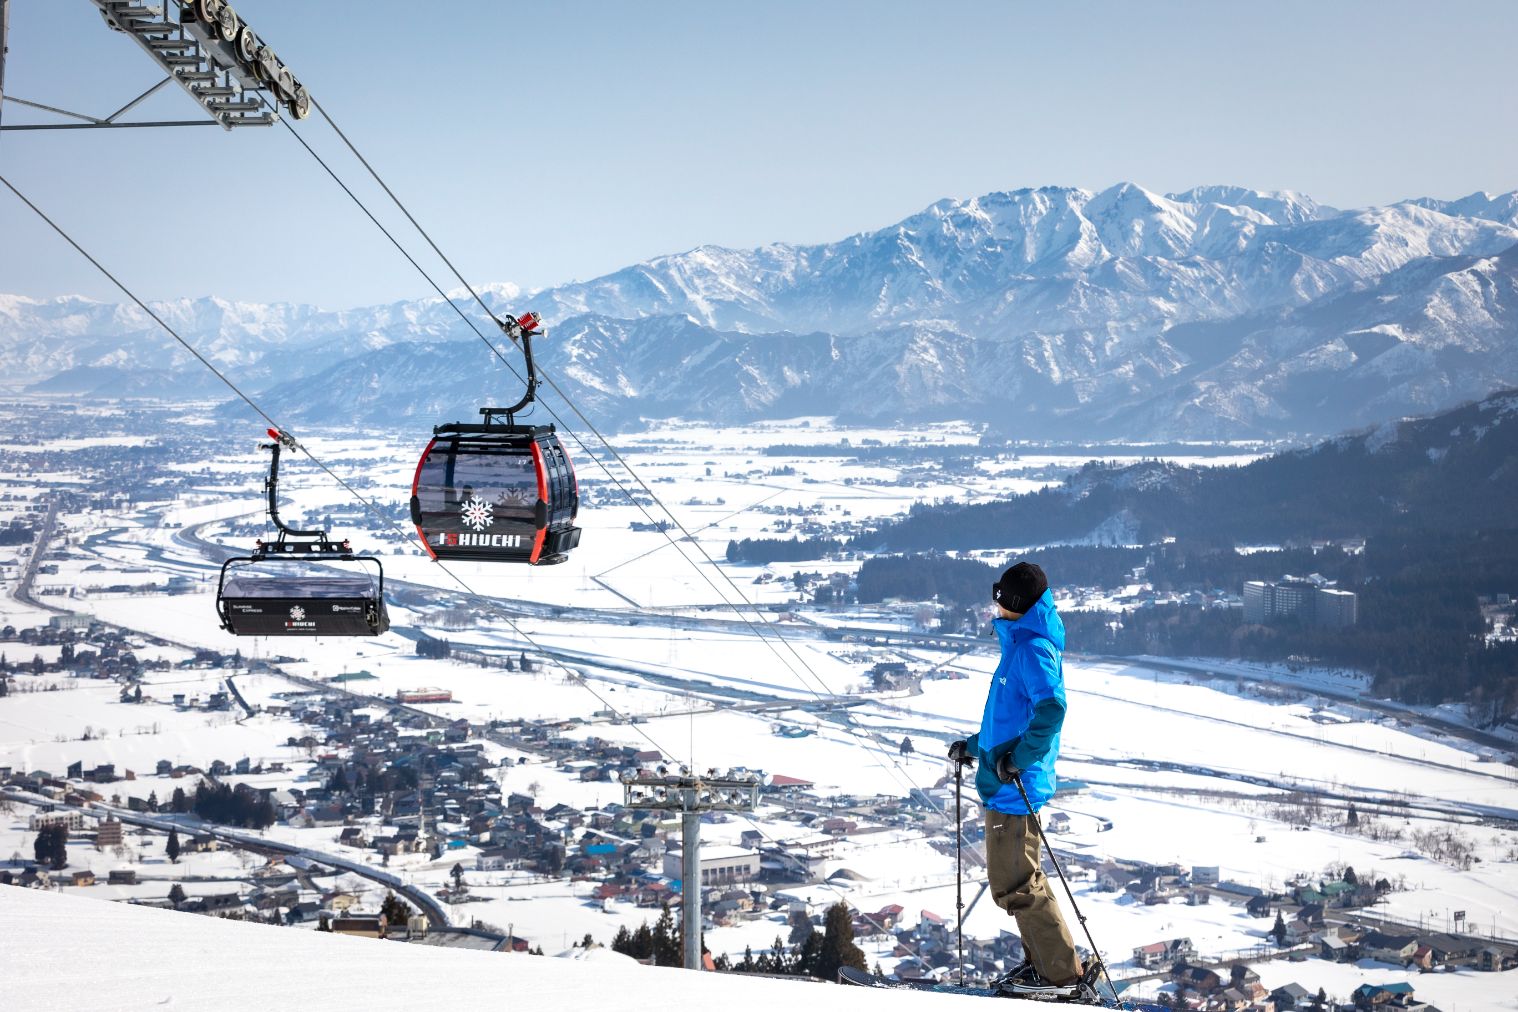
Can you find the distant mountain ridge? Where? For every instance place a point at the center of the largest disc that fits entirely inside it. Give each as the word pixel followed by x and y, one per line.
pixel 1218 312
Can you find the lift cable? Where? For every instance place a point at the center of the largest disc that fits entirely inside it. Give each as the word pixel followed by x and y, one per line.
pixel 616 455
pixel 397 201
pixel 374 509
pixel 488 343
pixel 363 500
pixel 507 363
pixel 686 535
pixel 140 304
pixel 494 349
pixel 368 504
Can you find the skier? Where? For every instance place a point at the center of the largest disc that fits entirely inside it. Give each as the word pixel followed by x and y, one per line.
pixel 1018 740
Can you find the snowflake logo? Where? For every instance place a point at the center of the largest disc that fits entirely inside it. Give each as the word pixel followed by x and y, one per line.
pixel 298 614
pixel 477 514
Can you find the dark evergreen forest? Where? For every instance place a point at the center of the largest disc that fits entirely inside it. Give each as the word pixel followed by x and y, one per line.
pixel 1454 472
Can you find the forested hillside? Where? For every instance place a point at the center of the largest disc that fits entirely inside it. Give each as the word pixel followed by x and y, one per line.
pixel 1451 472
pixel 1432 499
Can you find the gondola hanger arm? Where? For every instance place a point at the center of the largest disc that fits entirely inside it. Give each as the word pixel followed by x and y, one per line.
pixel 521 330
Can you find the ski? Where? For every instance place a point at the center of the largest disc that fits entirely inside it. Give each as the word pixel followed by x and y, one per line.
pixel 859 978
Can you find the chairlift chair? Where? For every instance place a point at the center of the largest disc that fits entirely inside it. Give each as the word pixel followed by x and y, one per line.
pixel 260 595
pixel 494 491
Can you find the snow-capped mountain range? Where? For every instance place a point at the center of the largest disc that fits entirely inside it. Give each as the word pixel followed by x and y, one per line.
pixel 1219 312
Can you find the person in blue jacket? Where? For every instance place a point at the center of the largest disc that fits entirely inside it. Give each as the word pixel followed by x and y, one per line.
pixel 1019 739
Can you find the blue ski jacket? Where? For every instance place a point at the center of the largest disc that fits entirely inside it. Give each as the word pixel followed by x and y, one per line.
pixel 1025 710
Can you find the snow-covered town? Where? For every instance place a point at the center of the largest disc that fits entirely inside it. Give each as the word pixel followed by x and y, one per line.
pixel 1237 833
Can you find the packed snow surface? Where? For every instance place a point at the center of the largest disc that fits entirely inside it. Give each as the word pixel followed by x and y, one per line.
pixel 142 958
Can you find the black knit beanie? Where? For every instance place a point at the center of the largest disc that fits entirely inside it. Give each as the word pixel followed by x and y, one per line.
pixel 1019 587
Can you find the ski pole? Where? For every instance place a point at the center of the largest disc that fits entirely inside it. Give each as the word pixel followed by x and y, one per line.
pixel 959 876
pixel 1017 778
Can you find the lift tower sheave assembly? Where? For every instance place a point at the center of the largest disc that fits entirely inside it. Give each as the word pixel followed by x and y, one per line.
pixel 690 796
pixel 206 48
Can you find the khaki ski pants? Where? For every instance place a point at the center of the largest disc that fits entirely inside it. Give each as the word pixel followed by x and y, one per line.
pixel 1019 886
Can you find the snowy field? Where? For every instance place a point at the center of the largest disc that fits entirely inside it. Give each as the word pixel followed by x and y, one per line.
pixel 1183 768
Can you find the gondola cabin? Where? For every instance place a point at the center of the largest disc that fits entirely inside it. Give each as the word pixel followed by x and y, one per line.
pixel 496 493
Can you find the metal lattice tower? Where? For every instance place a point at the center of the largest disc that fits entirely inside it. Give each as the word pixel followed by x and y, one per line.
pixel 690 796
pixel 206 48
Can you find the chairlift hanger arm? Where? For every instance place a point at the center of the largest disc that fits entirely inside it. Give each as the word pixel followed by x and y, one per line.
pixel 271 486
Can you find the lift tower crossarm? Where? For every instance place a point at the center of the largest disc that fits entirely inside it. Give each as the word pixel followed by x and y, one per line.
pixel 198 61
pixel 204 47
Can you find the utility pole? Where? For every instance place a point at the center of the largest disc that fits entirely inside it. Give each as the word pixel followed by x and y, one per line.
pixel 690 796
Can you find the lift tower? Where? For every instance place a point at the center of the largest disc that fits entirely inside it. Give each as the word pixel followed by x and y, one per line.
pixel 690 796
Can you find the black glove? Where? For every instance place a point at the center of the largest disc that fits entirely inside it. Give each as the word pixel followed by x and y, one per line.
pixel 1006 770
pixel 959 752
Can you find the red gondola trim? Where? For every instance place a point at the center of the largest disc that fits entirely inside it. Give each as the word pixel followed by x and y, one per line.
pixel 416 480
pixel 542 468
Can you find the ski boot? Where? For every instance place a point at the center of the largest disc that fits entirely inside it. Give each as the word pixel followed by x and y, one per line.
pixel 1023 981
pixel 1022 971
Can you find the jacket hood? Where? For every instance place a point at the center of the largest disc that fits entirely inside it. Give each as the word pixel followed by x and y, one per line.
pixel 1040 620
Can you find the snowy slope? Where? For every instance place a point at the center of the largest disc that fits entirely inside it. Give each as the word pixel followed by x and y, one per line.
pixel 122 957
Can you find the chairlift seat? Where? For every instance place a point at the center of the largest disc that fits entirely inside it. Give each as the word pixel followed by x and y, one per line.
pixel 273 592
pixel 326 605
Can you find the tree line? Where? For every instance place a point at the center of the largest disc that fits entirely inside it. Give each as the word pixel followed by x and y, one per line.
pixel 812 953
pixel 233 806
pixel 767 550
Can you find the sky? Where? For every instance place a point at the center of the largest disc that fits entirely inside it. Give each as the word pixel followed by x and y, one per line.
pixel 545 143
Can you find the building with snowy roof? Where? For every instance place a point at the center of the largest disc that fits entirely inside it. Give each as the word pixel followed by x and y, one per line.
pixel 719 864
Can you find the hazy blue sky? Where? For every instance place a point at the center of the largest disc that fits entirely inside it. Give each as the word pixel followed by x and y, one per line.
pixel 550 141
